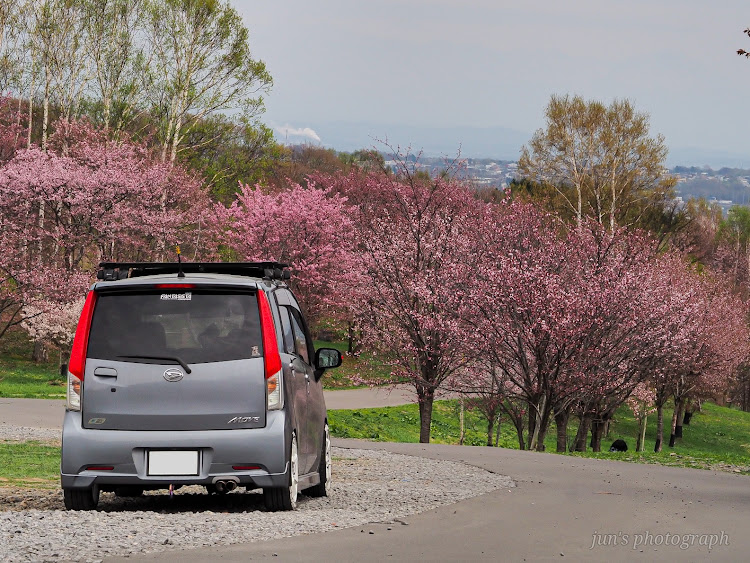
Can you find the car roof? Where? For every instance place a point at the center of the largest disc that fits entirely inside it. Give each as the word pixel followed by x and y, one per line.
pixel 197 279
pixel 133 274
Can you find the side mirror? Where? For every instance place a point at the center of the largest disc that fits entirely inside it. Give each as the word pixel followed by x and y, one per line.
pixel 326 358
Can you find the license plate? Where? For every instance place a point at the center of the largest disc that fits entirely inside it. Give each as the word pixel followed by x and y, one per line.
pixel 172 462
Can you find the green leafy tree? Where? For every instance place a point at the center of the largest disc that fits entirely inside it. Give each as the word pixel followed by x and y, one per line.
pixel 199 63
pixel 11 45
pixel 734 236
pixel 229 152
pixel 599 159
pixel 115 57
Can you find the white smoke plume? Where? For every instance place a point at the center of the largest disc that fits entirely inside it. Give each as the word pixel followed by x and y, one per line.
pixel 306 132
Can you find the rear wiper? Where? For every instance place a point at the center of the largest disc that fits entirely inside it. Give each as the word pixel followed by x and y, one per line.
pixel 170 358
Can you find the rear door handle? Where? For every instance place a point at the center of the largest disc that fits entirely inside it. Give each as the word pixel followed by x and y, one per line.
pixel 105 372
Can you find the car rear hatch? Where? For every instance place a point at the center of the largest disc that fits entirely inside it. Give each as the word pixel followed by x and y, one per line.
pixel 174 358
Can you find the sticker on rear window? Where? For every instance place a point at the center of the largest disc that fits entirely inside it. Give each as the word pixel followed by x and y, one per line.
pixel 187 296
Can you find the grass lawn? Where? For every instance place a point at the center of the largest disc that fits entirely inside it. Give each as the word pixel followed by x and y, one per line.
pixel 20 377
pixel 29 464
pixel 717 437
pixel 28 380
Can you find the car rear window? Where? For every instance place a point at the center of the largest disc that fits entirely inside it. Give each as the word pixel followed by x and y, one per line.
pixel 196 326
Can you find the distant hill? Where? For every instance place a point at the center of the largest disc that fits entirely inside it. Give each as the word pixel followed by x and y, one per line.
pixel 473 142
pixel 725 184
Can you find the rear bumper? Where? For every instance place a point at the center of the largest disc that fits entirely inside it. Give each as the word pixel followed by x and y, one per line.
pixel 218 450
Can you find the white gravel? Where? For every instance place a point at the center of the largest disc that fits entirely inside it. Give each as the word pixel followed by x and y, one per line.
pixel 368 486
pixel 24 433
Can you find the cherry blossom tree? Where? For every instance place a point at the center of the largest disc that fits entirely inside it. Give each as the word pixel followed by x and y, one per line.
pixel 308 228
pixel 622 315
pixel 524 314
pixel 98 198
pixel 84 199
pixel 419 242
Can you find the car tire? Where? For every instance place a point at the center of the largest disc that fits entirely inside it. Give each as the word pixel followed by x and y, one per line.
pixel 81 499
pixel 285 498
pixel 323 489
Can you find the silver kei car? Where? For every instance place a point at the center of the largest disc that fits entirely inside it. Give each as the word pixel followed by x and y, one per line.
pixel 195 374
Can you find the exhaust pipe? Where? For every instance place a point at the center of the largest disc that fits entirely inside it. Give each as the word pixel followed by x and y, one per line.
pixel 222 486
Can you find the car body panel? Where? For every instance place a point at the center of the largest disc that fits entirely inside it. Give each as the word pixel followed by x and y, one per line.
pixel 214 396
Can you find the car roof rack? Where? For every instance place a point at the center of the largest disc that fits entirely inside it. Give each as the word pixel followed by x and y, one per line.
pixel 109 271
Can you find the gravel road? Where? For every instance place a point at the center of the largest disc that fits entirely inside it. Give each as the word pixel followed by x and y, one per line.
pixel 368 487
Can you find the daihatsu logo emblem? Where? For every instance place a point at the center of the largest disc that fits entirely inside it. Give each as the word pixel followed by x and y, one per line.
pixel 173 374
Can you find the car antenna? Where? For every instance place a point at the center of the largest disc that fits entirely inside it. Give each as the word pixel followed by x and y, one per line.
pixel 180 273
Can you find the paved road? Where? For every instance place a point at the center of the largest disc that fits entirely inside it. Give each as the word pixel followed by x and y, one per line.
pixel 33 413
pixel 562 506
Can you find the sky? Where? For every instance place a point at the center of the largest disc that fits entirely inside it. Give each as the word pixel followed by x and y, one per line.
pixel 421 71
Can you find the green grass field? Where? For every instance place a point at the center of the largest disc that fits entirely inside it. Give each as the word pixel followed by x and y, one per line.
pixel 718 437
pixel 28 380
pixel 29 464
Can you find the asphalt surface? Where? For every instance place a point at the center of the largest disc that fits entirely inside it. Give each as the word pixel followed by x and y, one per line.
pixel 562 508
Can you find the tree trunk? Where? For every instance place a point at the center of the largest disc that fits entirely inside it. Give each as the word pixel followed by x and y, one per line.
pixel 41 352
pixel 45 113
pixel 597 431
pixel 497 432
pixel 659 427
pixel 536 441
pixel 426 398
pixel 518 422
pixel 462 430
pixel 673 426
pixel 532 421
pixel 31 114
pixel 350 336
pixel 582 434
pixel 680 419
pixel 490 430
pixel 561 421
pixel 686 418
pixel 641 444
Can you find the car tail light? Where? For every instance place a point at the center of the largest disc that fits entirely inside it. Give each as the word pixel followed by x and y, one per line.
pixel 273 392
pixel 174 286
pixel 245 467
pixel 74 393
pixel 77 364
pixel 270 353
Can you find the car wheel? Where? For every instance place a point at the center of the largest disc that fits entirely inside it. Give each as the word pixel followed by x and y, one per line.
pixel 323 489
pixel 285 498
pixel 81 499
